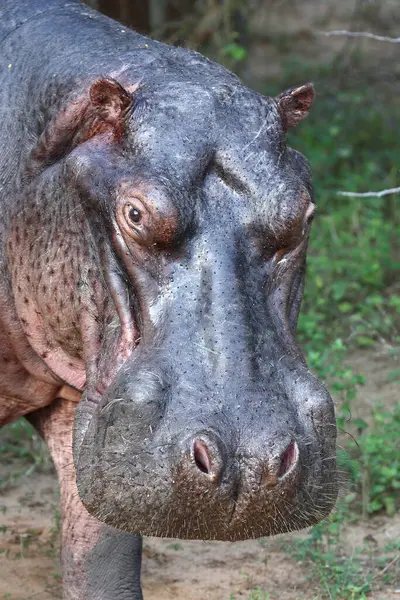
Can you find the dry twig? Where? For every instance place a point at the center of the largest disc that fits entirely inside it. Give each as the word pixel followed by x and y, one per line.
pixel 395 190
pixel 365 34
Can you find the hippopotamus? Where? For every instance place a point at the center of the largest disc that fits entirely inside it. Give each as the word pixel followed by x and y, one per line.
pixel 152 252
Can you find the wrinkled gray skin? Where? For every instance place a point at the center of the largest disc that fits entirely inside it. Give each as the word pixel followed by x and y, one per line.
pixel 152 253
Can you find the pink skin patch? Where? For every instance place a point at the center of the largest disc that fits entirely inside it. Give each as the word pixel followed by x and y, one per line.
pixel 80 532
pixel 309 212
pixel 201 457
pixel 288 460
pixel 67 368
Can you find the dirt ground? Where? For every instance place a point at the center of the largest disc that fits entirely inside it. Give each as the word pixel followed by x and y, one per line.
pixel 182 570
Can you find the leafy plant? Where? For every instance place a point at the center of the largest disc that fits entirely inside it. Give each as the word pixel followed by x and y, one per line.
pixel 339 576
pixel 379 475
pixel 354 247
pixel 22 446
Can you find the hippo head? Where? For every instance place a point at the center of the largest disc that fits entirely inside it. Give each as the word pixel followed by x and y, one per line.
pixel 183 221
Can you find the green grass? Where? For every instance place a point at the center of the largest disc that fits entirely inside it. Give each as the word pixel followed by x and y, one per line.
pixel 22 449
pixel 377 474
pixel 338 574
pixel 351 300
pixel 354 251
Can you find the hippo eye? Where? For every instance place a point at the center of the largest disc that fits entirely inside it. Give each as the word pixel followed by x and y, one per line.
pixel 135 215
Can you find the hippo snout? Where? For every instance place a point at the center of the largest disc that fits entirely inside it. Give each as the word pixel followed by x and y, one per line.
pixel 224 470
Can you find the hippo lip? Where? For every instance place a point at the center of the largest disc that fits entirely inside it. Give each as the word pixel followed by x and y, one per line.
pixel 204 521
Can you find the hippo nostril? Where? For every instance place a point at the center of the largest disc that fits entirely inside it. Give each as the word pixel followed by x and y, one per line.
pixel 288 459
pixel 202 457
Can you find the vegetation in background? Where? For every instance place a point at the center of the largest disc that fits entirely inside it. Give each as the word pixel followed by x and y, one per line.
pixel 377 472
pixel 20 445
pixel 352 300
pixel 353 263
pixel 340 575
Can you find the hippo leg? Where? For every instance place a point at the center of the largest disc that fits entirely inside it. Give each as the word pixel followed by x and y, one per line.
pixel 98 562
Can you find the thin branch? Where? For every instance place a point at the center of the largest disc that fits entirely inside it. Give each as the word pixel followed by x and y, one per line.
pixel 365 34
pixel 395 190
pixel 392 562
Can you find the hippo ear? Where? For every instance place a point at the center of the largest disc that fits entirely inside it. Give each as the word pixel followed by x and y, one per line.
pixel 110 101
pixel 102 110
pixel 294 104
